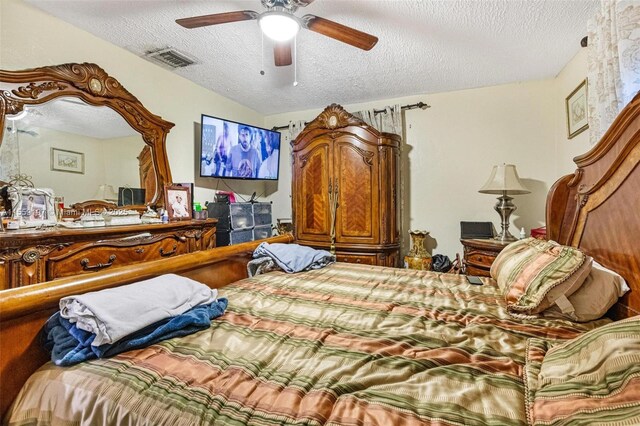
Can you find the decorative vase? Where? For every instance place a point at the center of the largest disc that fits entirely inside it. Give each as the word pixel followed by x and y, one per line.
pixel 418 257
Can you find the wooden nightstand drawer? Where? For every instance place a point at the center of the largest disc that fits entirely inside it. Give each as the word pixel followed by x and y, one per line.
pixel 479 255
pixel 479 259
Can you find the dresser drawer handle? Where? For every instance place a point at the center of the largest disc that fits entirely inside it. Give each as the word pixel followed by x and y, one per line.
pixel 169 253
pixel 85 263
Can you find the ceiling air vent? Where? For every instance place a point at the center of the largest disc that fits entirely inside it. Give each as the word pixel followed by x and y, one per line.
pixel 170 57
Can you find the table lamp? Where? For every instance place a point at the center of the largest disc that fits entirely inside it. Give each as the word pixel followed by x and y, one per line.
pixel 106 192
pixel 504 181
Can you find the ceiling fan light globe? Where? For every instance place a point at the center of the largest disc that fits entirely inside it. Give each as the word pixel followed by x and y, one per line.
pixel 278 26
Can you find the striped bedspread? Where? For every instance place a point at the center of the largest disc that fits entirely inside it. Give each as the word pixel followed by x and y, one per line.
pixel 343 345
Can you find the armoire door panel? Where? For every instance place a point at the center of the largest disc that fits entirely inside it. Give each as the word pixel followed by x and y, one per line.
pixel 358 195
pixel 313 212
pixel 340 154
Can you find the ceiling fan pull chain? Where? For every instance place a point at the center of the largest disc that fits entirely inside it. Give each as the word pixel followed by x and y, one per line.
pixel 262 52
pixel 295 61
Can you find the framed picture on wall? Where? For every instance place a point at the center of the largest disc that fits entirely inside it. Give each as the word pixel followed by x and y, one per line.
pixel 67 161
pixel 577 110
pixel 178 200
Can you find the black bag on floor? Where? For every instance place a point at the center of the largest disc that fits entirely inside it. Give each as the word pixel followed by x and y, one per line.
pixel 440 263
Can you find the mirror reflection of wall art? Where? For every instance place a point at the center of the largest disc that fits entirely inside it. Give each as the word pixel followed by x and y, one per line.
pixel 67 161
pixel 577 110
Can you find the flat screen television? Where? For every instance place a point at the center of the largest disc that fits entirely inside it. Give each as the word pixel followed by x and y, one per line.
pixel 233 150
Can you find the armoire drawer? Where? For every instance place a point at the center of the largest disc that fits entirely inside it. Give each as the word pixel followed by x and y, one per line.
pixel 99 256
pixel 361 258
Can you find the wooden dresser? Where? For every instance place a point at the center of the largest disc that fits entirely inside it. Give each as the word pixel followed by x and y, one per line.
pixel 480 254
pixel 345 178
pixel 33 256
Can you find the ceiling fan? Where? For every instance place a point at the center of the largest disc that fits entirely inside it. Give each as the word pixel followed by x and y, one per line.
pixel 279 23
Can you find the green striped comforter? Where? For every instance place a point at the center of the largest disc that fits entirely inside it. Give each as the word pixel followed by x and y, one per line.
pixel 343 345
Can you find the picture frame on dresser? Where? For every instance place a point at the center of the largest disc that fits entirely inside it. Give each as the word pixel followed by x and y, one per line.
pixel 32 207
pixel 178 201
pixel 577 110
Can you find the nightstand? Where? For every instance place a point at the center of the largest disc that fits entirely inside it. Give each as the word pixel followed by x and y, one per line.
pixel 480 254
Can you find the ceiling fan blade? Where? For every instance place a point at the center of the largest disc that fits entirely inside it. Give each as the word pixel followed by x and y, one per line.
pixel 302 3
pixel 339 32
pixel 217 18
pixel 282 54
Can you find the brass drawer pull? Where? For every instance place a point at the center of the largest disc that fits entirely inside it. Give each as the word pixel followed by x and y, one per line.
pixel 169 253
pixel 85 263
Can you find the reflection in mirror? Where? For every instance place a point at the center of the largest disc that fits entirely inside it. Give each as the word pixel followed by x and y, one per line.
pixel 80 151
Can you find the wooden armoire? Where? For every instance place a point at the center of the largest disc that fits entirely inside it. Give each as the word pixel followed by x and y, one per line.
pixel 345 195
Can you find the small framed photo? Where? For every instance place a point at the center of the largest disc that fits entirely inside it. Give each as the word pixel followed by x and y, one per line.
pixel 32 206
pixel 67 161
pixel 577 110
pixel 178 201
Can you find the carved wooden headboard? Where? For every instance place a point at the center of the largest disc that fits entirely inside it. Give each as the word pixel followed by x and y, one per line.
pixel 598 207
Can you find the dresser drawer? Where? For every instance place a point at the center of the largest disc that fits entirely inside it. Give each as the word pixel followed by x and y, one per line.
pixel 108 255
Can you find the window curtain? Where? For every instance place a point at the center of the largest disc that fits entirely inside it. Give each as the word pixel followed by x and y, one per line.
pixel 295 127
pixel 391 121
pixel 613 62
pixel 9 153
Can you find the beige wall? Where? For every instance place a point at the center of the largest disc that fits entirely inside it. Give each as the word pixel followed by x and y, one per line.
pixel 31 38
pixel 35 161
pixel 451 148
pixel 569 78
pixel 121 161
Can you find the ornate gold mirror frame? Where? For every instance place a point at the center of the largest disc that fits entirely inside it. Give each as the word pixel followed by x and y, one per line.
pixel 94 86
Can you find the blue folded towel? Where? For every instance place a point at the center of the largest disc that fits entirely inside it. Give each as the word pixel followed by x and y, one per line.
pixel 294 257
pixel 69 345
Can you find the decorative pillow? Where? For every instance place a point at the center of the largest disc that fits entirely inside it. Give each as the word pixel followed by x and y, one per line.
pixel 592 379
pixel 528 272
pixel 599 292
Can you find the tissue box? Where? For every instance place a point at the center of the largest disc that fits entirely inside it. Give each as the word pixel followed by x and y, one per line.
pixel 92 220
pixel 121 217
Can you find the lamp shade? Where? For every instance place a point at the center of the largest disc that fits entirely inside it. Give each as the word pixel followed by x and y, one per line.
pixel 504 179
pixel 106 192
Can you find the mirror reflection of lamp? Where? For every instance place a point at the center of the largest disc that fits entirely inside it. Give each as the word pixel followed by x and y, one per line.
pixel 504 181
pixel 106 192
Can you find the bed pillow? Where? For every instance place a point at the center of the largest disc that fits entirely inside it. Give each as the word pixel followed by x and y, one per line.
pixel 592 379
pixel 528 272
pixel 599 292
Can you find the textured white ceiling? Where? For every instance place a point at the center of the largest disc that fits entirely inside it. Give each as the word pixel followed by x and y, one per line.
pixel 425 46
pixel 72 115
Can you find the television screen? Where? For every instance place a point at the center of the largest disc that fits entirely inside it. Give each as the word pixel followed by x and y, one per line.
pixel 238 151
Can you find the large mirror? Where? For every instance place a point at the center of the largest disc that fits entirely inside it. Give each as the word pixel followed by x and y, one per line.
pixel 76 130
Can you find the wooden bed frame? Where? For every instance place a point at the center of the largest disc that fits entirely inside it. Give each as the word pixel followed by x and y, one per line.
pixel 597 209
pixel 24 310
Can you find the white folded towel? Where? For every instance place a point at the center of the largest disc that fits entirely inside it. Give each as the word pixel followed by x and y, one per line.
pixel 117 312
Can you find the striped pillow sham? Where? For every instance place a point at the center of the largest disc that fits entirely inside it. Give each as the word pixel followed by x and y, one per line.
pixel 592 379
pixel 528 272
